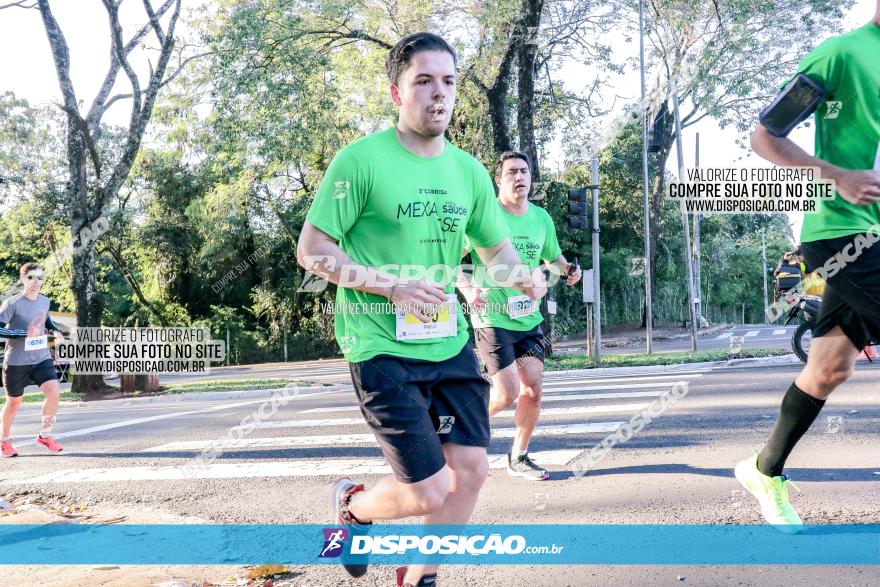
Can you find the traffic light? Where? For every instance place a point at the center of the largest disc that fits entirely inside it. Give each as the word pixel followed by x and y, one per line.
pixel 658 127
pixel 578 209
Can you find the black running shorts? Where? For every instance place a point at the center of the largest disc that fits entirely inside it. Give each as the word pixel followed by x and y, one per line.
pixel 17 377
pixel 852 296
pixel 415 406
pixel 500 347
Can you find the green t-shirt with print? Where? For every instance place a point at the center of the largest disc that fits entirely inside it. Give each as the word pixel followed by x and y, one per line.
pixel 847 124
pixel 387 208
pixel 534 237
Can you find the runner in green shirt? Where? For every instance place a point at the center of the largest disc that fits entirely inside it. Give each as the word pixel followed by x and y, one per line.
pixel 387 226
pixel 508 324
pixel 842 234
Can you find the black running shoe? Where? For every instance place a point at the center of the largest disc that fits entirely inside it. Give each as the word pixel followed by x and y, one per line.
pixel 525 467
pixel 343 490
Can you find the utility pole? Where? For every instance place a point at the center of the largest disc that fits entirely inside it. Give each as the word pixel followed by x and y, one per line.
pixel 698 288
pixel 597 308
pixel 764 270
pixel 649 310
pixel 684 219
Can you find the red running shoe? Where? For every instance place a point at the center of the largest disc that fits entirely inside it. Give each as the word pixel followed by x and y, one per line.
pixel 6 449
pixel 50 444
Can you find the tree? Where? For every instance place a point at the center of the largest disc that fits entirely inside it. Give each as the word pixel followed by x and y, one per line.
pixel 92 181
pixel 727 57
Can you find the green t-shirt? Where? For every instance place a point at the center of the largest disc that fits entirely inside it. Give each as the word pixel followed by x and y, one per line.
pixel 847 125
pixel 534 237
pixel 388 207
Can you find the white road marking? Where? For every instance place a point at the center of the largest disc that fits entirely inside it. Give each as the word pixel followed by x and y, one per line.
pixel 779 331
pixel 545 398
pixel 299 468
pixel 346 439
pixel 599 396
pixel 581 410
pixel 507 414
pixel 724 335
pixel 551 379
pixel 751 333
pixel 604 387
pixel 562 429
pixel 135 421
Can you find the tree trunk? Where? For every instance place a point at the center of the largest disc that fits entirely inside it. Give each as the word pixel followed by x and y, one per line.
pixel 528 53
pixel 89 306
pixel 129 383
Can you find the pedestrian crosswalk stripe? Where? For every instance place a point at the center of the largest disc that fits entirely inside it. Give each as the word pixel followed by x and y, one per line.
pixel 580 410
pixel 752 333
pixel 348 439
pixel 546 389
pixel 317 423
pixel 724 335
pixel 545 398
pixel 779 331
pixel 297 468
pixel 551 379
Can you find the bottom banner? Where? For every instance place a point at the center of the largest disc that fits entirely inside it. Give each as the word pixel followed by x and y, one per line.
pixel 406 544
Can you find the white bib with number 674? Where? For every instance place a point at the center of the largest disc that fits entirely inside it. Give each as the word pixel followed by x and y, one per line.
pixel 442 324
pixel 519 306
pixel 36 343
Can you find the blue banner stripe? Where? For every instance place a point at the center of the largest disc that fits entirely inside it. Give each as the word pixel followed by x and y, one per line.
pixel 405 544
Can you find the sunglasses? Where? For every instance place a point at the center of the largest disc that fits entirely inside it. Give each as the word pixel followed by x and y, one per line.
pixel 33 277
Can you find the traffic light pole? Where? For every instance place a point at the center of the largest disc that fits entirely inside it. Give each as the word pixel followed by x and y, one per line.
pixel 649 306
pixel 597 307
pixel 577 218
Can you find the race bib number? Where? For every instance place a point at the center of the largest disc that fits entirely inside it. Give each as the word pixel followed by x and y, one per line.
pixel 519 306
pixel 35 343
pixel 442 324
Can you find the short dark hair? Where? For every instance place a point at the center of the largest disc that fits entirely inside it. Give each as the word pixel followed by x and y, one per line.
pixel 29 266
pixel 402 52
pixel 511 155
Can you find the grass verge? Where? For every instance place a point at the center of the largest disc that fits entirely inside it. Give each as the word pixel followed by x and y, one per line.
pixel 558 363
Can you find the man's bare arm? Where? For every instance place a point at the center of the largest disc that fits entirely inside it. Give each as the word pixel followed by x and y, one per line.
pixel 860 187
pixel 501 260
pixel 319 253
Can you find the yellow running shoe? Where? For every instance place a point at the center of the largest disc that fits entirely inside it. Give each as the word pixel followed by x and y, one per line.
pixel 772 494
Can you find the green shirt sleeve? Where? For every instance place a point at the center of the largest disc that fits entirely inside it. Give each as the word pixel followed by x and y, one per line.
pixel 341 196
pixel 551 250
pixel 485 227
pixel 822 65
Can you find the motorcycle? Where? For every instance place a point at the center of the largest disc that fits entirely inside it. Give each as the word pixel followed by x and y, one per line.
pixel 806 309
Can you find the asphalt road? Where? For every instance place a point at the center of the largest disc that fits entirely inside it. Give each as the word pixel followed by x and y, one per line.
pixel 677 470
pixel 336 370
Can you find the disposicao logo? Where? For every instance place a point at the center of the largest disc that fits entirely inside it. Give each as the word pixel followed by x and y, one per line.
pixel 334 542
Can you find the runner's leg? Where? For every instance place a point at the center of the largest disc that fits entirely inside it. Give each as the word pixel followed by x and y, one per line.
pixel 389 499
pixel 505 388
pixel 830 363
pixel 469 468
pixel 10 408
pixel 52 392
pixel 528 404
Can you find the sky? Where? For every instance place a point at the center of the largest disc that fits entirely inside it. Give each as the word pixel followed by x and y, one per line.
pixel 27 69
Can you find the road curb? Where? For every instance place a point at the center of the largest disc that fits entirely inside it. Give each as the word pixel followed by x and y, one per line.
pixel 208 395
pixel 790 359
